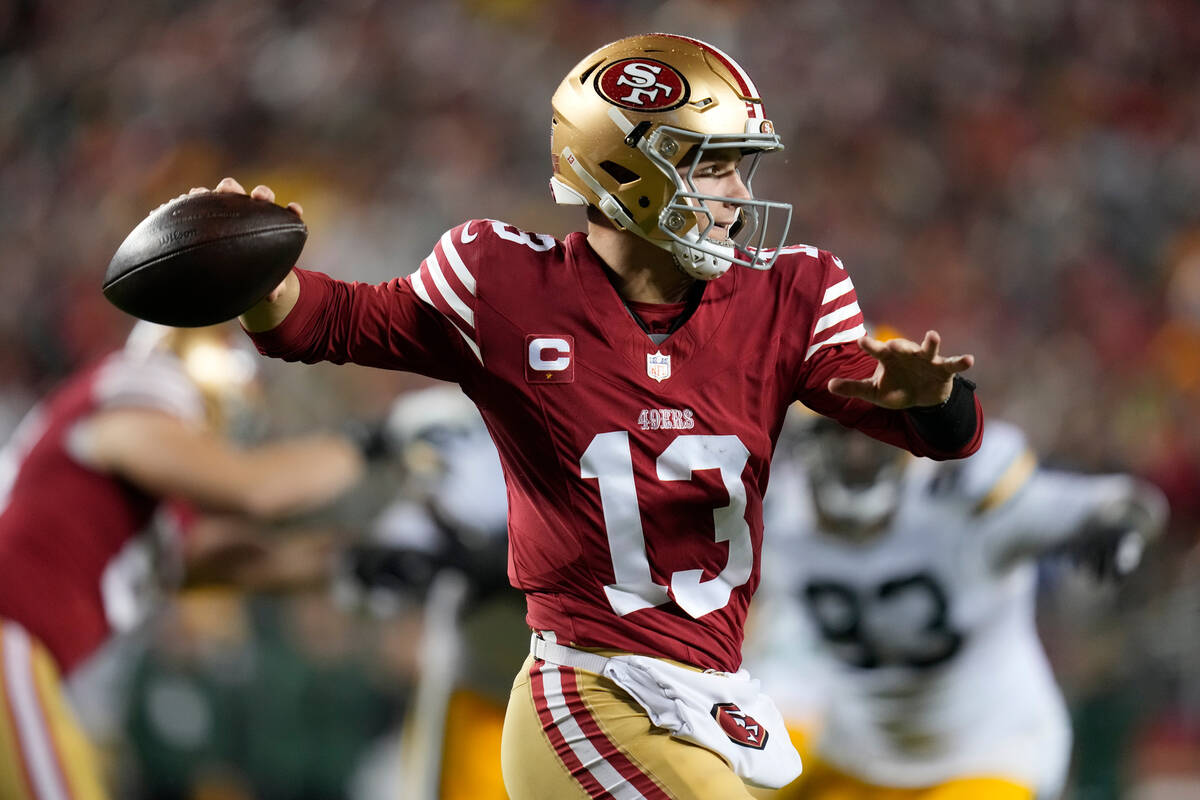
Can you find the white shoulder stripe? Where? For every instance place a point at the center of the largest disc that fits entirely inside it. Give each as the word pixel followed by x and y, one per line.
pixel 834 317
pixel 447 291
pixel 837 290
pixel 843 336
pixel 419 287
pixel 456 262
pixel 157 381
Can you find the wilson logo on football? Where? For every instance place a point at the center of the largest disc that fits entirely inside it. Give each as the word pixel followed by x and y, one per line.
pixel 642 84
pixel 740 727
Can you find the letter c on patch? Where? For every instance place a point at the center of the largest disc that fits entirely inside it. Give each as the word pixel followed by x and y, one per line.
pixel 540 348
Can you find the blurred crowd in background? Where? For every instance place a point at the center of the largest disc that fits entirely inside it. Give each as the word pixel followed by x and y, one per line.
pixel 1022 175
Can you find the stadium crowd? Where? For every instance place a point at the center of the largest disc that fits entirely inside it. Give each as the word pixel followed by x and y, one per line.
pixel 1025 176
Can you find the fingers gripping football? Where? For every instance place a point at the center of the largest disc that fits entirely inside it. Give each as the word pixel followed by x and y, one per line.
pixel 907 374
pixel 206 257
pixel 259 192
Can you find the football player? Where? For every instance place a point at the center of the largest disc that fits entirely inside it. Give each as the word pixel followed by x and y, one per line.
pixel 634 378
pixel 442 543
pixel 914 583
pixel 81 481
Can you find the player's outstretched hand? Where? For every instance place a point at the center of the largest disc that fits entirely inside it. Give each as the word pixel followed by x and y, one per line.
pixel 908 374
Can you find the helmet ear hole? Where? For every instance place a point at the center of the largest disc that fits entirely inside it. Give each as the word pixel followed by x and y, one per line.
pixel 620 174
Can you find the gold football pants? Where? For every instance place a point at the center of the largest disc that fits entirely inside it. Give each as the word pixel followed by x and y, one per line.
pixel 44 754
pixel 574 734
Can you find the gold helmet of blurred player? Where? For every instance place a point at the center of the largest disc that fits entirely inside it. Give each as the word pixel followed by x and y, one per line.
pixel 218 360
pixel 629 116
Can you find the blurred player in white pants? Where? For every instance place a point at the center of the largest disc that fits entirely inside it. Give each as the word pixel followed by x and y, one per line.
pixel 442 544
pixel 916 583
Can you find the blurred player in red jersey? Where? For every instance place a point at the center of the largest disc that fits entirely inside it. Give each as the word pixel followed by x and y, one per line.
pixel 80 483
pixel 634 379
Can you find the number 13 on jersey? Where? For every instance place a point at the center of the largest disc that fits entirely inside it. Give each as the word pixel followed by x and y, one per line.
pixel 608 460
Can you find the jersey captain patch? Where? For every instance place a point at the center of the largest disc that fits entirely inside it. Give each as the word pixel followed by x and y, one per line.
pixel 549 358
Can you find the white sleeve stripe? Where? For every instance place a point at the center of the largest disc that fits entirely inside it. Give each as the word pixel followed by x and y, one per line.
pixel 470 342
pixel 419 287
pixel 837 290
pixel 844 336
pixel 834 317
pixel 456 262
pixel 447 291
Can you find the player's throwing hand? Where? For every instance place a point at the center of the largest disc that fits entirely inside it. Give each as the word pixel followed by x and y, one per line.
pixel 908 374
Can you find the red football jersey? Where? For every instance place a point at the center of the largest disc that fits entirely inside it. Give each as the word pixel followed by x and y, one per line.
pixel 635 470
pixel 72 566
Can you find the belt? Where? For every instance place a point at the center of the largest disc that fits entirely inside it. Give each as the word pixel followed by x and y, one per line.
pixel 553 653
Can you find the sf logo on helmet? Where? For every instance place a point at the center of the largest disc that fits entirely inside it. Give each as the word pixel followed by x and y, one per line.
pixel 642 84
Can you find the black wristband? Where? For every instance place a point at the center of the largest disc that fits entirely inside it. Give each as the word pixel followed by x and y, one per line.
pixel 948 426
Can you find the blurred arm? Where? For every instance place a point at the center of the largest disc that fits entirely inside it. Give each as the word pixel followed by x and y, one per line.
pixel 166 457
pixel 1087 517
pixel 224 550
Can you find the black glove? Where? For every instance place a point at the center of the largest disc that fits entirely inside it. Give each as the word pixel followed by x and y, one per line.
pixel 370 437
pixel 1107 553
pixel 1110 545
pixel 399 570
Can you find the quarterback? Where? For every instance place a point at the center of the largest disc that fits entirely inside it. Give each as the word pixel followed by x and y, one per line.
pixel 81 482
pixel 914 583
pixel 634 378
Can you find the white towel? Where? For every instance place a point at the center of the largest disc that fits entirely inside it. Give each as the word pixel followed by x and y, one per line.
pixel 723 712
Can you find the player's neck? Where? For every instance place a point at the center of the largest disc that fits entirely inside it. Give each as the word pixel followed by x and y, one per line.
pixel 644 273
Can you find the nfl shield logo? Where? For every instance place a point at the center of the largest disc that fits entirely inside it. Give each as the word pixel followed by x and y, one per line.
pixel 658 366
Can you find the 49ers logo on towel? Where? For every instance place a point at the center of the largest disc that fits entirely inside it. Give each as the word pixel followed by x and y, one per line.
pixel 642 84
pixel 740 727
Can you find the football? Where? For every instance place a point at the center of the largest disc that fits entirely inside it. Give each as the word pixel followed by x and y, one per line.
pixel 203 258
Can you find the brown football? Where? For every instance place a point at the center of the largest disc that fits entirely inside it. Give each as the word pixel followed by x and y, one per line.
pixel 203 259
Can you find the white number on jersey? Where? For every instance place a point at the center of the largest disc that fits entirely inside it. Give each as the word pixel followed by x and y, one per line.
pixel 608 459
pixel 538 242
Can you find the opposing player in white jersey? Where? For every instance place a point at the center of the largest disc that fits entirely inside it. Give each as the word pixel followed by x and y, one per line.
pixel 916 582
pixel 442 543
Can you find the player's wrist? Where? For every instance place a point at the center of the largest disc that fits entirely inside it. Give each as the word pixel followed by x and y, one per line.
pixel 272 310
pixel 951 424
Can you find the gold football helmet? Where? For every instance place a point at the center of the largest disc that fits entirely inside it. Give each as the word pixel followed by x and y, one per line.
pixel 634 114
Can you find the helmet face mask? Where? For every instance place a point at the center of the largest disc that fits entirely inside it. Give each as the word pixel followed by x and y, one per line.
pixel 747 241
pixel 855 481
pixel 631 122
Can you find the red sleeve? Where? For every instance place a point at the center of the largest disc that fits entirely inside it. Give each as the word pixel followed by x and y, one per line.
pixel 832 351
pixel 885 424
pixel 385 325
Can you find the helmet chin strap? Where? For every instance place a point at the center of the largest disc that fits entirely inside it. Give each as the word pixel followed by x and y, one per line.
pixel 702 264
